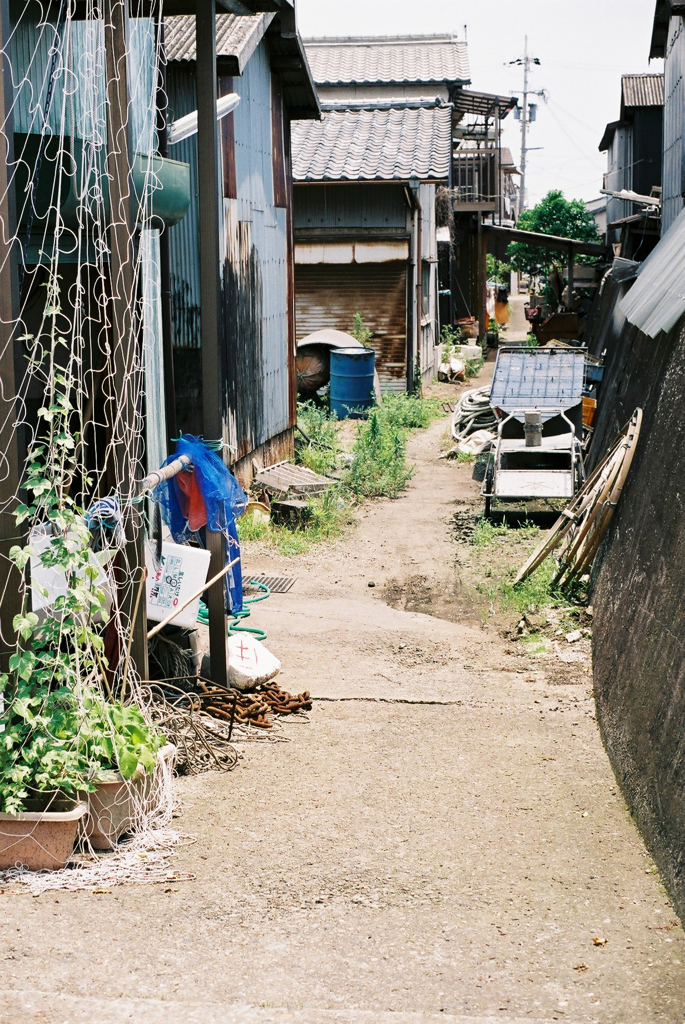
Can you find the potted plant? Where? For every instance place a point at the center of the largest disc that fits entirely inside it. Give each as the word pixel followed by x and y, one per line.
pixel 493 333
pixel 59 729
pixel 129 750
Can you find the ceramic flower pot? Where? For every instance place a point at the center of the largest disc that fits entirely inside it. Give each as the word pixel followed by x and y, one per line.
pixel 39 840
pixel 118 803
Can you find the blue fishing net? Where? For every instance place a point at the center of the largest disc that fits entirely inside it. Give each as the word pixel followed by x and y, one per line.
pixel 224 501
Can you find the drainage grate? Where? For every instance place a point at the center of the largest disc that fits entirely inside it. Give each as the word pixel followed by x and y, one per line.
pixel 276 584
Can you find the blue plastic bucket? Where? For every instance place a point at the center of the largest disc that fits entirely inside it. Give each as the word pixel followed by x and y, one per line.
pixel 351 381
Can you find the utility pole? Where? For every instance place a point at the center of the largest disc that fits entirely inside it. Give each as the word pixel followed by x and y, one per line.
pixel 524 124
pixel 526 61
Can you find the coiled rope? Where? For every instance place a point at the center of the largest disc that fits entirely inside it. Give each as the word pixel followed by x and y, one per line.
pixel 473 412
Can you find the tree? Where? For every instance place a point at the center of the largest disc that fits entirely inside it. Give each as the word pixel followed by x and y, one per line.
pixel 497 270
pixel 554 215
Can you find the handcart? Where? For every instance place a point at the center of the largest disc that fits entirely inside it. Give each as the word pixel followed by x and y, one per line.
pixel 537 396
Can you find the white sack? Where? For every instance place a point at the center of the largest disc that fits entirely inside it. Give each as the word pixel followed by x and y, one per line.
pixel 249 662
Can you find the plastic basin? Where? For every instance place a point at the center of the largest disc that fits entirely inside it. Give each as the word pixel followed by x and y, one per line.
pixel 118 804
pixel 39 840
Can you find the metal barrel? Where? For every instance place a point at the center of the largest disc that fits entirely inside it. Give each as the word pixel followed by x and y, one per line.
pixel 351 381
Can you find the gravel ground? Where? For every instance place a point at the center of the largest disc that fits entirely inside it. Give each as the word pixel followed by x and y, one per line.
pixel 443 840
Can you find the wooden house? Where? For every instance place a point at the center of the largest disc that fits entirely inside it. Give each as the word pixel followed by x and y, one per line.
pixel 259 57
pixel 365 186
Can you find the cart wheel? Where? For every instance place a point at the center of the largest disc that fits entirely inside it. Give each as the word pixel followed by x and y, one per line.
pixel 489 482
pixel 580 473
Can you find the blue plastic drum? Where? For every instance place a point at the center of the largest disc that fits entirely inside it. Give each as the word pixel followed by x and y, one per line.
pixel 352 372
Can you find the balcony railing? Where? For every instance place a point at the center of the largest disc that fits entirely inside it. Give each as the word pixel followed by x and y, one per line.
pixel 475 179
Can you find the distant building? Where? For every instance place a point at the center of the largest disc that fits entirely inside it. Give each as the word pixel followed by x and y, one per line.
pixel 365 189
pixel 668 41
pixel 633 145
pixel 598 209
pixel 510 188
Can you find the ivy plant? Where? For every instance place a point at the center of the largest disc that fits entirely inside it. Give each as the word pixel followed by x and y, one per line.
pixel 58 731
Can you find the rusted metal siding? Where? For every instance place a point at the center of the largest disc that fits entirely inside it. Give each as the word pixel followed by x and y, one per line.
pixel 328 295
pixel 257 356
pixel 267 226
pixel 674 116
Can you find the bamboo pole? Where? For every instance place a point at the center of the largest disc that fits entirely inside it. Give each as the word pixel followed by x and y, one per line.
pixel 205 586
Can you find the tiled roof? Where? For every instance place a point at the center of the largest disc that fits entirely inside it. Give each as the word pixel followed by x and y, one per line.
pixel 388 59
pixel 642 90
pixel 373 145
pixel 234 34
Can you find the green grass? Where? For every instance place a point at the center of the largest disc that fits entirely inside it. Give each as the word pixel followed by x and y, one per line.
pixel 379 466
pixel 538 591
pixel 329 516
pixel 534 644
pixel 502 551
pixel 473 367
pixel 322 452
pixel 409 412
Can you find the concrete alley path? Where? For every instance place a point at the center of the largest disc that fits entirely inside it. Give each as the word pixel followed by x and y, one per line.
pixel 442 841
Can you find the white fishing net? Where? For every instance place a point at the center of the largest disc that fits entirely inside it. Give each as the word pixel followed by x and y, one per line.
pixel 87 423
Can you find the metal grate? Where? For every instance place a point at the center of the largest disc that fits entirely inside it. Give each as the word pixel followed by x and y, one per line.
pixel 546 379
pixel 276 584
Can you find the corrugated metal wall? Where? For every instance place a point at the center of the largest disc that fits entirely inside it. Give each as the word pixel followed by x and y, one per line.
pixel 257 355
pixel 328 295
pixel 268 238
pixel 619 174
pixel 80 113
pixel 674 115
pixel 350 206
pixel 430 326
pixel 184 236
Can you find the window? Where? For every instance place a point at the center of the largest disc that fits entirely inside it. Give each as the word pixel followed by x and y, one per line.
pixel 425 289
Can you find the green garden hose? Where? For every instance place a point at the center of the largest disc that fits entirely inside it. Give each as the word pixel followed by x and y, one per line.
pixel 234 625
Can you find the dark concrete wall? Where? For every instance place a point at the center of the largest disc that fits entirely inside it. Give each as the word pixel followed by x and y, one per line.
pixel 639 632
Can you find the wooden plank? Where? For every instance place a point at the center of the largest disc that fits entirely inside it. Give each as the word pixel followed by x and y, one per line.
pixel 124 393
pixel 10 585
pixel 546 241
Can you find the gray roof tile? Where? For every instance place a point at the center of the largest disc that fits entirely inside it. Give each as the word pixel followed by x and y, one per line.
pixel 373 145
pixel 388 59
pixel 233 33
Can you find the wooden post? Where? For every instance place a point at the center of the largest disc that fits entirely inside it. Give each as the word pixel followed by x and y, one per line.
pixel 10 579
pixel 571 267
pixel 124 396
pixel 210 291
pixel 482 278
pixel 164 254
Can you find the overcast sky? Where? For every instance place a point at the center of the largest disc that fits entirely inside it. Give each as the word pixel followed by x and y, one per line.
pixel 584 46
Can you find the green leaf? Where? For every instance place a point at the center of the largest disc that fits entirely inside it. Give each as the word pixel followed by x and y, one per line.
pixel 128 762
pixel 20 556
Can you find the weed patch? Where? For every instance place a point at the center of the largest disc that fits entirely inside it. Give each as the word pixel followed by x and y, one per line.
pixel 379 468
pixel 320 450
pixel 501 551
